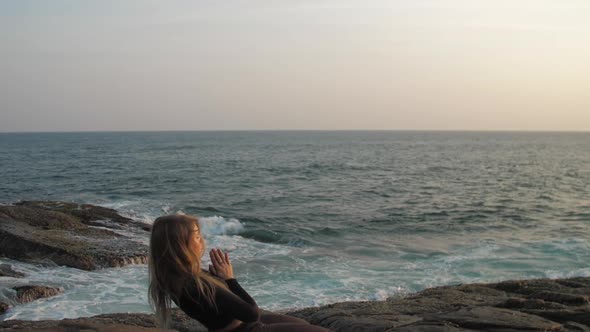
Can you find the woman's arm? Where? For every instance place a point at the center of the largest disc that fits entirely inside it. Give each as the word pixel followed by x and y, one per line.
pixel 227 306
pixel 236 306
pixel 236 297
pixel 235 287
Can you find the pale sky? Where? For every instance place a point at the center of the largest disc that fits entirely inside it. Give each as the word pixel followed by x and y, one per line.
pixel 254 65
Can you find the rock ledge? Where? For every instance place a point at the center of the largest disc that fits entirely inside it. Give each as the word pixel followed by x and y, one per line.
pixel 518 305
pixel 82 236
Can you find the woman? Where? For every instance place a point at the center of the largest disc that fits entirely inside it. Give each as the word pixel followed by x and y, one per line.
pixel 214 297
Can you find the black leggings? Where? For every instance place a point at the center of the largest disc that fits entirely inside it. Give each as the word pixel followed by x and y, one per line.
pixel 280 323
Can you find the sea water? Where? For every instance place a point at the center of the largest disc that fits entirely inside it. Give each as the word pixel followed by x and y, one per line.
pixel 311 218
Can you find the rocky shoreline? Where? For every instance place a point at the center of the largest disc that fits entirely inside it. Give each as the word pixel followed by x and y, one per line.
pixel 81 236
pixel 520 305
pixel 89 237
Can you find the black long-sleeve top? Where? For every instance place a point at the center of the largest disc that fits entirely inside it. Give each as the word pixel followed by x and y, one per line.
pixel 232 303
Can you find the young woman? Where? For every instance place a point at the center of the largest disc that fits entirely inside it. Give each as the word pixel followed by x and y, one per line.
pixel 214 297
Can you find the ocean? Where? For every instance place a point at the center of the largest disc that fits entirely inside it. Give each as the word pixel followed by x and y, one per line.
pixel 313 217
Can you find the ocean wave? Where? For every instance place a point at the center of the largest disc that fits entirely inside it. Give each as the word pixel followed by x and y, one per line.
pixel 273 237
pixel 217 225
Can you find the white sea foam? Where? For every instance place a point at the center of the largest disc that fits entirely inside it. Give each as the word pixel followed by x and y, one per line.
pixel 380 295
pixel 583 272
pixel 217 225
pixel 85 293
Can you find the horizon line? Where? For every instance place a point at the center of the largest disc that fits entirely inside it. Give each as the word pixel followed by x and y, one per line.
pixel 299 130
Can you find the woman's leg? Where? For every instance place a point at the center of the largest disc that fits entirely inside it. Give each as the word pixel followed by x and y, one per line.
pixel 278 318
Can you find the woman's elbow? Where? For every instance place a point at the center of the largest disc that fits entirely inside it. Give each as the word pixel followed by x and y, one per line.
pixel 254 314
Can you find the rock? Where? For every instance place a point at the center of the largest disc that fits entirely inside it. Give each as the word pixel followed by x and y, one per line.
pixel 572 326
pixel 564 298
pixel 7 271
pixel 66 234
pixel 25 294
pixel 502 307
pixel 77 326
pixel 3 307
pixel 529 287
pixel 521 305
pixel 107 322
pixel 357 316
pixel 578 315
pixel 489 318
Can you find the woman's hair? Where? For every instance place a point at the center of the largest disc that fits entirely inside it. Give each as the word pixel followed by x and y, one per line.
pixel 173 264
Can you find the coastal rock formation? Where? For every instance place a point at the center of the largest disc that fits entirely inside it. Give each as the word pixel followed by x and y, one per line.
pixel 82 236
pixel 522 305
pixel 7 271
pixel 25 294
pixel 107 322
pixel 3 307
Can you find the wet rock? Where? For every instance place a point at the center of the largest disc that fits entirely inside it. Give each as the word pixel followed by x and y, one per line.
pixel 578 315
pixel 67 234
pixel 25 294
pixel 357 316
pixel 574 283
pixel 502 307
pixel 528 287
pixel 7 271
pixel 521 303
pixel 432 327
pixel 3 307
pixel 79 326
pixel 489 318
pixel 107 322
pixel 572 326
pixel 564 298
pixel 517 305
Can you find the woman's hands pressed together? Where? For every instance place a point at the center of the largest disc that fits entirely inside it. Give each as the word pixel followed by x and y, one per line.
pixel 221 266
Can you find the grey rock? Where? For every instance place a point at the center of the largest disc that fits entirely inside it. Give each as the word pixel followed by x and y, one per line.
pixel 7 271
pixel 486 318
pixel 3 307
pixel 65 234
pixel 573 326
pixel 564 298
pixel 29 293
pixel 516 305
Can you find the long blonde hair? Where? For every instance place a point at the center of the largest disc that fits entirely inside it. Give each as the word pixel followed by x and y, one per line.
pixel 172 264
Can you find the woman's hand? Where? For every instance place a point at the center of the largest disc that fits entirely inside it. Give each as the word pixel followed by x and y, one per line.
pixel 221 265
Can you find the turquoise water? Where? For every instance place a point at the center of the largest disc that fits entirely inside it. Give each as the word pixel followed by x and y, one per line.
pixel 318 217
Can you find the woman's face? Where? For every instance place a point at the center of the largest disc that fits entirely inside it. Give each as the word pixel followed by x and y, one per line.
pixel 197 241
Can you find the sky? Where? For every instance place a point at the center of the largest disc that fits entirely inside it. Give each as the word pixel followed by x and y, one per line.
pixel 111 65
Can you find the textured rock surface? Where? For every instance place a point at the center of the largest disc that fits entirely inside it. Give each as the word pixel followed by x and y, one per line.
pixel 7 271
pixel 524 305
pixel 3 307
pixel 25 294
pixel 109 322
pixel 76 235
